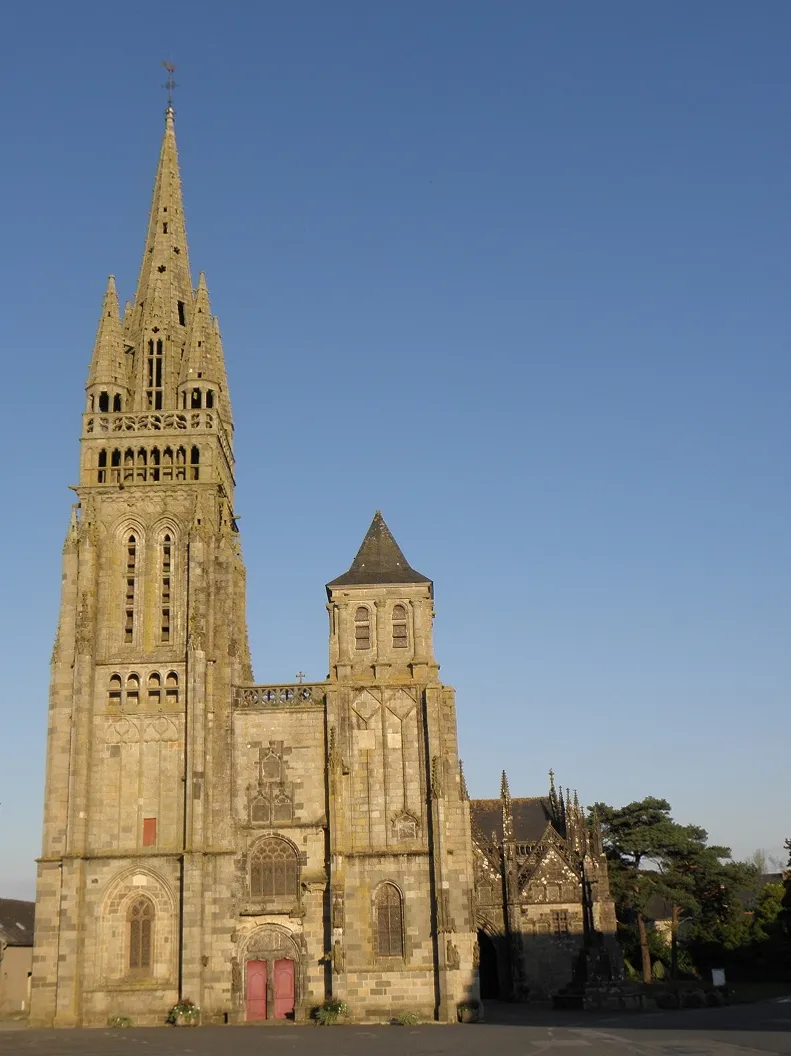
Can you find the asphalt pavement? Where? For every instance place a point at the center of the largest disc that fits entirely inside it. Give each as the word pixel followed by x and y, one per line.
pixel 510 1030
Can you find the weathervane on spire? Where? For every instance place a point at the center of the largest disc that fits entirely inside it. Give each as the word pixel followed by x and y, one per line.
pixel 170 84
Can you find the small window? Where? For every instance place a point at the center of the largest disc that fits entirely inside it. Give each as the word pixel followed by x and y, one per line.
pixel 259 811
pixel 195 399
pixel 132 690
pixel 389 922
pixel 149 832
pixel 101 476
pixel 194 463
pixel 141 926
pixel 282 809
pixel 114 696
pixel 400 631
pixel 172 688
pixel 560 921
pixel 273 870
pixel 116 402
pixel 362 628
pixel 104 402
pixel 164 229
pixel 182 320
pixel 154 689
pixel 210 399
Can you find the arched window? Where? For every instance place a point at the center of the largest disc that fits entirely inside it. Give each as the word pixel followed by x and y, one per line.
pixel 154 689
pixel 129 464
pixel 273 870
pixel 194 463
pixel 260 811
pixel 167 464
pixel 210 399
pixel 104 402
pixel 142 463
pixel 400 631
pixel 196 398
pixel 362 628
pixel 132 690
pixel 131 586
pixel 116 402
pixel 154 470
pixel 141 927
pixel 115 466
pixel 165 581
pixel 102 474
pixel 181 463
pixel 172 688
pixel 389 922
pixel 114 696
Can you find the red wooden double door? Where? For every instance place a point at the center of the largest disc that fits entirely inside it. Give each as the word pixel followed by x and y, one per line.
pixel 282 989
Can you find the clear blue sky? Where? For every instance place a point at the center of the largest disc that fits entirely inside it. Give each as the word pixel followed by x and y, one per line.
pixel 515 272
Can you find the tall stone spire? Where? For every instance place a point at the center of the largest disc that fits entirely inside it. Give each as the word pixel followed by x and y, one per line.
pixel 166 251
pixel 164 298
pixel 108 367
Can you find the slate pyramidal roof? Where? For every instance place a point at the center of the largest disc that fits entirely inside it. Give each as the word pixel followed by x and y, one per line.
pixel 379 561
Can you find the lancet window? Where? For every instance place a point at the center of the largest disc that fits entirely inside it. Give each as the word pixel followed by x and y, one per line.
pixel 154 375
pixel 165 584
pixel 389 914
pixel 141 926
pixel 130 580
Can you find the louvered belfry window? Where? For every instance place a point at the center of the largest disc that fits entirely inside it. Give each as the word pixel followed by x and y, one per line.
pixel 273 870
pixel 362 628
pixel 400 632
pixel 141 921
pixel 389 922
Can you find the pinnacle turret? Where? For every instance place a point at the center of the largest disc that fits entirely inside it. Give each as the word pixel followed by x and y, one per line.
pixel 203 380
pixel 108 381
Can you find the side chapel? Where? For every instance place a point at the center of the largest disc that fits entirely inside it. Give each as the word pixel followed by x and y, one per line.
pixel 260 848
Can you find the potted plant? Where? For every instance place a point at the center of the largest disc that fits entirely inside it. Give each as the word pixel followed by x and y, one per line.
pixel 468 1011
pixel 184 1014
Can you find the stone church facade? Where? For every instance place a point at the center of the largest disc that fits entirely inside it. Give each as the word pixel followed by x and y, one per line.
pixel 258 848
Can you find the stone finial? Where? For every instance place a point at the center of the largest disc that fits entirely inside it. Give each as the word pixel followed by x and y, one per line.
pixel 505 791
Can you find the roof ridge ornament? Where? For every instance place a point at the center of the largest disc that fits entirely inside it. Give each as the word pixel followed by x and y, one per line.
pixel 170 85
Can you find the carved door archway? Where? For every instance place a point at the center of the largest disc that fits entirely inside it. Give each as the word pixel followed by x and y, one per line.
pixel 272 969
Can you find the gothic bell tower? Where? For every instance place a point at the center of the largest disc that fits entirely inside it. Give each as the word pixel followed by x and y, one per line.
pixel 151 636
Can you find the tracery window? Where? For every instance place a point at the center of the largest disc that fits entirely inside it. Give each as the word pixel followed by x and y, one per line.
pixel 273 870
pixel 400 631
pixel 141 926
pixel 362 628
pixel 389 922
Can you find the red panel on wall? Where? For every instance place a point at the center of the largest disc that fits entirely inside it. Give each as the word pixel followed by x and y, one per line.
pixel 149 832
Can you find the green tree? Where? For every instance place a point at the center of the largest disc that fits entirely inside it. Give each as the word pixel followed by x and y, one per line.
pixel 651 854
